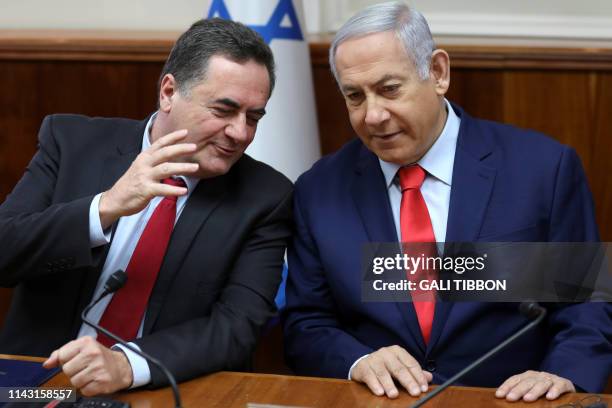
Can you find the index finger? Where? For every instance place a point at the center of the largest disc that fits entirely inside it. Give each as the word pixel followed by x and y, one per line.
pixel 171 153
pixel 169 139
pixel 68 351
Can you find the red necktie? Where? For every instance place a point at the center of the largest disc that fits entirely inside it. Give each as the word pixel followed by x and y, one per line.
pixel 418 239
pixel 126 309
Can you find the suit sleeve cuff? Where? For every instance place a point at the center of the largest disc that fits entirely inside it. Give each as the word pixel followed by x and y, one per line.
pixel 97 237
pixel 141 373
pixel 353 366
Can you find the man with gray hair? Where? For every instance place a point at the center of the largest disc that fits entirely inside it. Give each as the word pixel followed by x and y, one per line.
pixel 199 227
pixel 423 171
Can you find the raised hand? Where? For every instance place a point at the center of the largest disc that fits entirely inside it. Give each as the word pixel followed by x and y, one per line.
pixel 142 181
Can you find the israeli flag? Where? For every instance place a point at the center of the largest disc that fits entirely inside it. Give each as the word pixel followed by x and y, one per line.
pixel 287 137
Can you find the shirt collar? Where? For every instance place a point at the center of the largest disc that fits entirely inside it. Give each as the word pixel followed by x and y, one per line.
pixel 190 182
pixel 439 159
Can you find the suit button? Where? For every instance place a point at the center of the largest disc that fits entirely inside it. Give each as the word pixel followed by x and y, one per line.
pixel 430 365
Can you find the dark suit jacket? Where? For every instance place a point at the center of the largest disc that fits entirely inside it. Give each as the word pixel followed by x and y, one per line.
pixel 217 283
pixel 508 185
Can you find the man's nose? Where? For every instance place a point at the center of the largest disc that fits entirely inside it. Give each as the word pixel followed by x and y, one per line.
pixel 376 113
pixel 237 129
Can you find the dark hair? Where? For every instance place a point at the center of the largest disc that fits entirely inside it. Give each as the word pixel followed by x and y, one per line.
pixel 188 60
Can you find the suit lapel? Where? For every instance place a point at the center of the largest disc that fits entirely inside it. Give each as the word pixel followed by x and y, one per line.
pixel 207 195
pixel 472 185
pixel 371 199
pixel 370 195
pixel 471 189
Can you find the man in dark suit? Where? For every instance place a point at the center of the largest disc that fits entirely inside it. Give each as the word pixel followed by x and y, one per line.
pixel 423 170
pixel 199 227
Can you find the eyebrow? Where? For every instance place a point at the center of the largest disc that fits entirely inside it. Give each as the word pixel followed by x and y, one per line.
pixel 349 88
pixel 230 103
pixel 388 77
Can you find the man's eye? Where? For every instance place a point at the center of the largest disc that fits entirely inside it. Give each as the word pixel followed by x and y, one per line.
pixel 221 111
pixel 390 88
pixel 253 120
pixel 353 96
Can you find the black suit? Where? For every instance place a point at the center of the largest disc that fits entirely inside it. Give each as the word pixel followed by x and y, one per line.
pixel 218 279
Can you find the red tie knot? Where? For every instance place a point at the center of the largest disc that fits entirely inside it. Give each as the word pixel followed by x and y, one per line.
pixel 411 177
pixel 176 182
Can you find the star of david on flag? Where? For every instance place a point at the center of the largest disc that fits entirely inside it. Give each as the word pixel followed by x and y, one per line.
pixel 283 24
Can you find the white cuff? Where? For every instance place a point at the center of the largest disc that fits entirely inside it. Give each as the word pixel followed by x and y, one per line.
pixel 354 364
pixel 141 373
pixel 97 236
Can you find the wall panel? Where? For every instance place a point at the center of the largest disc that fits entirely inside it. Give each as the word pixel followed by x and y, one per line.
pixel 566 93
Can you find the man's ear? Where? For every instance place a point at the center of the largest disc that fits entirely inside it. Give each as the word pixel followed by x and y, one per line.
pixel 439 71
pixel 167 91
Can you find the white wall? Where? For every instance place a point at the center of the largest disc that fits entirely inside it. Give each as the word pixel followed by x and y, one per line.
pixel 585 19
pixel 557 19
pixel 101 14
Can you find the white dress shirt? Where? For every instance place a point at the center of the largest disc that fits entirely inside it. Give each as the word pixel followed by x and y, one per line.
pixel 123 243
pixel 436 189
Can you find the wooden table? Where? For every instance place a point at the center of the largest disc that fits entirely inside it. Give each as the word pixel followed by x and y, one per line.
pixel 239 390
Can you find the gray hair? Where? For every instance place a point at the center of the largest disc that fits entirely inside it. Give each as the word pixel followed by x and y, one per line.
pixel 409 26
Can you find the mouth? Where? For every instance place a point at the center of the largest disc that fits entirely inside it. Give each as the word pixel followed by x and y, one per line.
pixel 225 151
pixel 386 136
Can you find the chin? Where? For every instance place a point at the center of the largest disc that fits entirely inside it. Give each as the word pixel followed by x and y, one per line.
pixel 218 170
pixel 390 157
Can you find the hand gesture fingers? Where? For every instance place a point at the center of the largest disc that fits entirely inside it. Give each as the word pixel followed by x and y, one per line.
pixel 168 153
pixel 142 181
pixel 165 170
pixel 169 139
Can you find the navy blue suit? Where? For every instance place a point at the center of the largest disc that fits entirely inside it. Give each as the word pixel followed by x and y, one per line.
pixel 508 185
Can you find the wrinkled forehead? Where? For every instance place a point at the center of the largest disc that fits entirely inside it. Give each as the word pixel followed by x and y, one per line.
pixel 246 83
pixel 374 55
pixel 375 45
